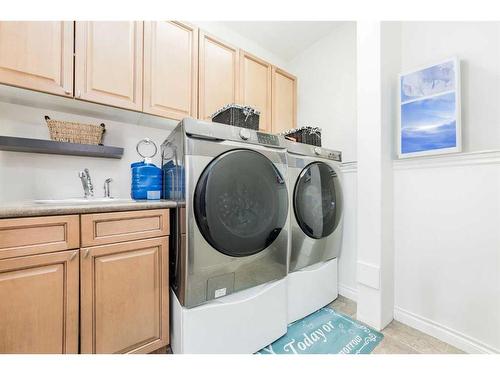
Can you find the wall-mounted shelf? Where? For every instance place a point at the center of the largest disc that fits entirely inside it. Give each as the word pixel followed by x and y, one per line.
pixel 42 146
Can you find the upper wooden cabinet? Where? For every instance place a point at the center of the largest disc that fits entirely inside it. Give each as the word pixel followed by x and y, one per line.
pixel 108 63
pixel 218 77
pixel 255 87
pixel 284 101
pixel 170 69
pixel 166 68
pixel 37 55
pixel 39 304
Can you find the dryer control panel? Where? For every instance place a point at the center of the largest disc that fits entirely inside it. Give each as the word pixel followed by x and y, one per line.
pixel 268 139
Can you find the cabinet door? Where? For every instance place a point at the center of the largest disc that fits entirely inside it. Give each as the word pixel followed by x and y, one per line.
pixel 37 55
pixel 255 87
pixel 284 101
pixel 39 304
pixel 170 69
pixel 219 78
pixel 108 63
pixel 124 297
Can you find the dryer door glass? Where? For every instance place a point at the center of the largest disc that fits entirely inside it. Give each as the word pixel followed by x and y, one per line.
pixel 240 203
pixel 318 200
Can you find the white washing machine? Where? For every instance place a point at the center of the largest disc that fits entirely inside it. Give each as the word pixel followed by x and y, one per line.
pixel 315 194
pixel 228 271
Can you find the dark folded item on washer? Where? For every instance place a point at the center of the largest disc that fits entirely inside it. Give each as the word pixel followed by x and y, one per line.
pixel 305 134
pixel 238 115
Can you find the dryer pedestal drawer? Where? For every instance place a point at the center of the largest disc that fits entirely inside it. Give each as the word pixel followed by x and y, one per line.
pixel 311 288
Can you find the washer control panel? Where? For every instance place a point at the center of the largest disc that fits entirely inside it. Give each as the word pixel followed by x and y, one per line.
pixel 334 155
pixel 268 139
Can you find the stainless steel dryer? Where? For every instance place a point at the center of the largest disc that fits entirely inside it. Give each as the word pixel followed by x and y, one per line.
pixel 316 198
pixel 233 182
pixel 316 226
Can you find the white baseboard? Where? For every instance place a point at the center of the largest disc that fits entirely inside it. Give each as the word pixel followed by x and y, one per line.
pixel 348 292
pixel 448 335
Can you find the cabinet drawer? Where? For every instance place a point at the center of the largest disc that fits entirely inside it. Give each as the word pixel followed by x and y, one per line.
pixel 106 228
pixel 37 235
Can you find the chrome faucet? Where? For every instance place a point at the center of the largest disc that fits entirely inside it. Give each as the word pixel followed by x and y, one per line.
pixel 107 193
pixel 88 188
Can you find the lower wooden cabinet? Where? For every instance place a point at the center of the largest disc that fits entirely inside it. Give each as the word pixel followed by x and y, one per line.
pixel 39 303
pixel 111 296
pixel 124 297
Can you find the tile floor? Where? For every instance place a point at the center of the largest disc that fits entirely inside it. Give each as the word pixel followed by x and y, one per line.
pixel 398 337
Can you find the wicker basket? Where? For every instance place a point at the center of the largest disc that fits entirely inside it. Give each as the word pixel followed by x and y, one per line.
pixel 75 132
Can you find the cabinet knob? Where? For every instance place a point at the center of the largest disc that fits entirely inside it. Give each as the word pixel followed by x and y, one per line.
pixel 67 92
pixel 73 256
pixel 86 254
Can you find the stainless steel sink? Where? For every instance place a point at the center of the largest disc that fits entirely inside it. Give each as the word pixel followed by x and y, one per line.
pixel 73 201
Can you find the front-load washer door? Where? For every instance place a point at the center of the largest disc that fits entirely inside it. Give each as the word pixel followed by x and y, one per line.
pixel 240 203
pixel 317 200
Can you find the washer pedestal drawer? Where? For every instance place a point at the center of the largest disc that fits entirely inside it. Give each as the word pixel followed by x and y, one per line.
pixel 240 323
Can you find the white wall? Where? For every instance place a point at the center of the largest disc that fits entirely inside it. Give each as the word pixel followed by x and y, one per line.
pixel 447 209
pixel 477 45
pixel 27 176
pixel 326 95
pixel 447 237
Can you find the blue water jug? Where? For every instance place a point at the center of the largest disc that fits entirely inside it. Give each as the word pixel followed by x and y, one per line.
pixel 146 177
pixel 174 181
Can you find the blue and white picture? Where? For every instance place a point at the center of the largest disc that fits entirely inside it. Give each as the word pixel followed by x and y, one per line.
pixel 430 110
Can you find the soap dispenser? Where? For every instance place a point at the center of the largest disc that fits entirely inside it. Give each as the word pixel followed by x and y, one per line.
pixel 146 177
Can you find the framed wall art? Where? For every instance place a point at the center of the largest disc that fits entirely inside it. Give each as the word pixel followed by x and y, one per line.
pixel 429 116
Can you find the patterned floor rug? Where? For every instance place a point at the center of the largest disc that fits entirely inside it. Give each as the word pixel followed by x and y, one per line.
pixel 326 332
